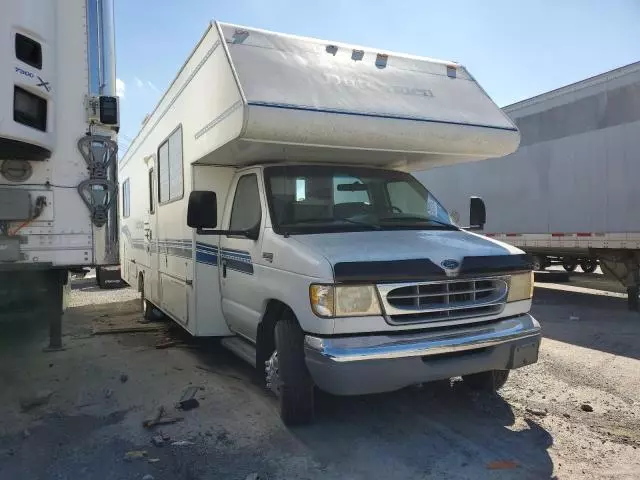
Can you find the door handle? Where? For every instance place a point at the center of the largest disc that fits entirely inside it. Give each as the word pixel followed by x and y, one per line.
pixel 224 269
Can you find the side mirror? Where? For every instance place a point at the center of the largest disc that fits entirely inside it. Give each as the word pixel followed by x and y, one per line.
pixel 477 213
pixel 203 210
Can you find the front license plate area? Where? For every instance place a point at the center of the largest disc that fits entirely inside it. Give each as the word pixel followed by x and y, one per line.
pixel 524 354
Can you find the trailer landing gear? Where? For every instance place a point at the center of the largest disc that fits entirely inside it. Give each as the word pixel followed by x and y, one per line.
pixel 633 298
pixel 633 291
pixel 625 268
pixel 538 263
pixel 54 307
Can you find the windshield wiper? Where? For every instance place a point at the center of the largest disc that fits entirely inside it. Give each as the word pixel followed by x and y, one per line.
pixel 421 219
pixel 330 221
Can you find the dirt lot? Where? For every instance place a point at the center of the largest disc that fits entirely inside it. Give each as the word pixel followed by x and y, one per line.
pixel 96 394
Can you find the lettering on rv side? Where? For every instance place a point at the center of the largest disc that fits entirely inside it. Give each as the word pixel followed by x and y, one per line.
pixel 364 84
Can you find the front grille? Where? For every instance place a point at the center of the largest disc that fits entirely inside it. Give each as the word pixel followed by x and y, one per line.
pixel 448 300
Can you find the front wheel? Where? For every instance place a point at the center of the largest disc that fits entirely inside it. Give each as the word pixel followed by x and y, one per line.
pixel 588 265
pixel 569 264
pixel 490 381
pixel 287 374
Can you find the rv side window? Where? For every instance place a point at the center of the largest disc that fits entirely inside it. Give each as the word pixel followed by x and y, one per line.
pixel 246 212
pixel 152 205
pixel 126 198
pixel 170 169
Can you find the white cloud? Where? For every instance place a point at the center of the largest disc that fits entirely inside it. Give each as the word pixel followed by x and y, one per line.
pixel 139 83
pixel 153 87
pixel 120 88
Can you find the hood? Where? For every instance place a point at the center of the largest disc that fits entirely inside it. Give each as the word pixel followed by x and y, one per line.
pixel 414 252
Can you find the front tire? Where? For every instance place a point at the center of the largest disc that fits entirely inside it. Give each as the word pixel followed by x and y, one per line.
pixel 287 373
pixel 569 264
pixel 490 381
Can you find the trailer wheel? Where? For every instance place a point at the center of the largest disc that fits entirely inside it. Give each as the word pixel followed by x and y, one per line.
pixel 490 381
pixel 569 264
pixel 287 374
pixel 588 265
pixel 539 263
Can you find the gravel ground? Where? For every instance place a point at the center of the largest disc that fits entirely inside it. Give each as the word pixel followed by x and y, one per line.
pixel 97 392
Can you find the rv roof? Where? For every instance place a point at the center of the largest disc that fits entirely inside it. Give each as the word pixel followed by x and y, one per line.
pixel 340 44
pixel 280 96
pixel 213 24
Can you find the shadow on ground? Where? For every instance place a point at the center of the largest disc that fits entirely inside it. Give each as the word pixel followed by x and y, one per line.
pixel 592 321
pixel 434 429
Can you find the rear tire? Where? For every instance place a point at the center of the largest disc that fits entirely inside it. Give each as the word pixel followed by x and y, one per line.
pixel 295 390
pixel 588 265
pixel 569 264
pixel 490 381
pixel 148 308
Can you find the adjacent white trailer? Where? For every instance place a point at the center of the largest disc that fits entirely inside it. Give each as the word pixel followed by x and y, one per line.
pixel 58 122
pixel 571 190
pixel 332 265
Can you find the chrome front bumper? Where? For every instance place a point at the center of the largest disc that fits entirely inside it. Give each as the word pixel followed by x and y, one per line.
pixel 378 363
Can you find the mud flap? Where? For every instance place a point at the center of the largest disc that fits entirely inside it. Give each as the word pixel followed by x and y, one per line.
pixel 109 277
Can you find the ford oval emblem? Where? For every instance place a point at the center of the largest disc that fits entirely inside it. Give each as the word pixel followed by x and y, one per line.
pixel 450 264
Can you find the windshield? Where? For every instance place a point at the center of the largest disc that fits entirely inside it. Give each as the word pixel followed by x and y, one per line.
pixel 313 199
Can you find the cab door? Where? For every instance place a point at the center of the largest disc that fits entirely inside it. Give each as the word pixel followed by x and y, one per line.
pixel 240 273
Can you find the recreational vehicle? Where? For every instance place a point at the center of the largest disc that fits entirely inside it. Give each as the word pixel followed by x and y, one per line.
pixel 267 200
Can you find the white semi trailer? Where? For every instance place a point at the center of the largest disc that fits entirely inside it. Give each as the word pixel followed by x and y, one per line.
pixel 570 193
pixel 58 150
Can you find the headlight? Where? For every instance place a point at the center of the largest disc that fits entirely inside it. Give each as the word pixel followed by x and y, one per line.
pixel 520 287
pixel 344 301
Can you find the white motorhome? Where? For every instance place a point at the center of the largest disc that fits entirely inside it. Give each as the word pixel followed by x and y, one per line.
pixel 332 266
pixel 58 123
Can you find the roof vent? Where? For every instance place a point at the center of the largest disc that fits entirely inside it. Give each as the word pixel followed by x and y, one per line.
pixel 381 60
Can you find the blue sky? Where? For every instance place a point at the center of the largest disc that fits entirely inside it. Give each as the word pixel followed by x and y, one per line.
pixel 515 48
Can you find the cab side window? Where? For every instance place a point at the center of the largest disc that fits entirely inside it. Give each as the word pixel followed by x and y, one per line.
pixel 246 211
